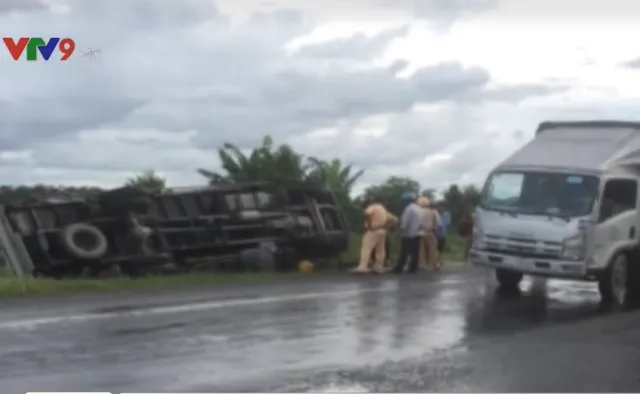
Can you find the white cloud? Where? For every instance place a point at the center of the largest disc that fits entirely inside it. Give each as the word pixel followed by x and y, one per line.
pixel 439 90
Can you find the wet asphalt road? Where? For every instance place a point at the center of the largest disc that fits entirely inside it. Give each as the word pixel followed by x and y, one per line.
pixel 434 332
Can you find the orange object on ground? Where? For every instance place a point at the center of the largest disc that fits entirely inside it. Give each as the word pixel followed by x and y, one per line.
pixel 305 266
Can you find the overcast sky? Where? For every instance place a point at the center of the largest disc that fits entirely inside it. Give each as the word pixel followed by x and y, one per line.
pixel 439 90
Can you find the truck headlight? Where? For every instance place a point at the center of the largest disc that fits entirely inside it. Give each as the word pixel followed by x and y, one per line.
pixel 477 238
pixel 573 247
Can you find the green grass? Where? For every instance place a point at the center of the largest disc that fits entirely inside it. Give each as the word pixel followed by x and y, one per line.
pixel 454 251
pixel 12 287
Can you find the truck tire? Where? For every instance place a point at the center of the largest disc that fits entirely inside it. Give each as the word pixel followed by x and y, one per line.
pixel 508 280
pixel 614 284
pixel 84 241
pixel 257 259
pixel 287 259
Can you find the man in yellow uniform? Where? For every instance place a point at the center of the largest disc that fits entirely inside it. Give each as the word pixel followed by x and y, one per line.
pixel 392 224
pixel 374 238
pixel 429 244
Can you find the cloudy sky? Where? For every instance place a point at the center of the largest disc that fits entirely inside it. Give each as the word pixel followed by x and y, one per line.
pixel 440 90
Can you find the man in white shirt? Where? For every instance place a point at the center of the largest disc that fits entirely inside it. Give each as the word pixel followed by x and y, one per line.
pixel 410 229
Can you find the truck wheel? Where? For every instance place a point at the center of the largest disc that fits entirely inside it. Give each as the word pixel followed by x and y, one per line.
pixel 287 259
pixel 508 280
pixel 257 259
pixel 614 283
pixel 84 241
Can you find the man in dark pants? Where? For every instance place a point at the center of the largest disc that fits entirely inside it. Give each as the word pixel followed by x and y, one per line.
pixel 410 232
pixel 441 233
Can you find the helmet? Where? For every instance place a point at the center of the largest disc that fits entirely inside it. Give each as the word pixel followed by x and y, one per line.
pixel 408 196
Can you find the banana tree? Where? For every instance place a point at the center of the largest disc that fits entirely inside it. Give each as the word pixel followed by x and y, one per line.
pixel 265 163
pixel 334 175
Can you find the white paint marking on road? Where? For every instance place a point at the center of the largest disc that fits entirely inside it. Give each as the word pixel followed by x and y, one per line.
pixel 194 307
pixel 28 324
pixel 340 388
pixel 455 281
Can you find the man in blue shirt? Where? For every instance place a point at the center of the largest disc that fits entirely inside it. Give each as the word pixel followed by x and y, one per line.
pixel 410 230
pixel 442 231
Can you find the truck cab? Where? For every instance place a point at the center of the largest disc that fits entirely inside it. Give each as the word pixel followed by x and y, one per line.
pixel 565 206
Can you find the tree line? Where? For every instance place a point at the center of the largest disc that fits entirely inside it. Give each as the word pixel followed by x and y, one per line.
pixel 280 164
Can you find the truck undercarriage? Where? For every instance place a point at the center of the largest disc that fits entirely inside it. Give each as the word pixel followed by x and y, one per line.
pixel 232 227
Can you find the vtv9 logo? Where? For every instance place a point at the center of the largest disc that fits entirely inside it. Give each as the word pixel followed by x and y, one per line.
pixel 35 45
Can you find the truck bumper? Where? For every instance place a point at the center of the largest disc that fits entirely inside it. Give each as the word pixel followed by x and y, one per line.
pixel 568 269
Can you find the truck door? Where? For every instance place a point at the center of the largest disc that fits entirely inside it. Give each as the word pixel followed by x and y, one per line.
pixel 617 218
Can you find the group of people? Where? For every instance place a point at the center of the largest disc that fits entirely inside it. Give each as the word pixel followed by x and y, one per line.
pixel 422 229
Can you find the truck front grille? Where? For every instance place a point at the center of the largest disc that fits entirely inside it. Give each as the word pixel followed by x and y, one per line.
pixel 523 247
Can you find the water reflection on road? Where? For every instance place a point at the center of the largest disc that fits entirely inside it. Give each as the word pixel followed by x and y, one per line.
pixel 290 343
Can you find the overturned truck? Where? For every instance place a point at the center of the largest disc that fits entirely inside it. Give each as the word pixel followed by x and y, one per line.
pixel 255 226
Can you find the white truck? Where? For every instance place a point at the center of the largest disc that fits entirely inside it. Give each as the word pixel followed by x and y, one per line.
pixel 566 206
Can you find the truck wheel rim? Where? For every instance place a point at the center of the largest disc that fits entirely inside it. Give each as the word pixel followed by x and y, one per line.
pixel 619 279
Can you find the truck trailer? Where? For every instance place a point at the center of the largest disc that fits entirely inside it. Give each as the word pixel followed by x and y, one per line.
pixel 565 205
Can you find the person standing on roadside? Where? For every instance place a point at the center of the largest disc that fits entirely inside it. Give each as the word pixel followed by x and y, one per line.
pixel 392 225
pixel 410 229
pixel 466 232
pixel 443 230
pixel 374 238
pixel 429 242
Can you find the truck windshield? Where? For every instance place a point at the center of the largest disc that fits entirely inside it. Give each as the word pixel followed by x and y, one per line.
pixel 540 193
